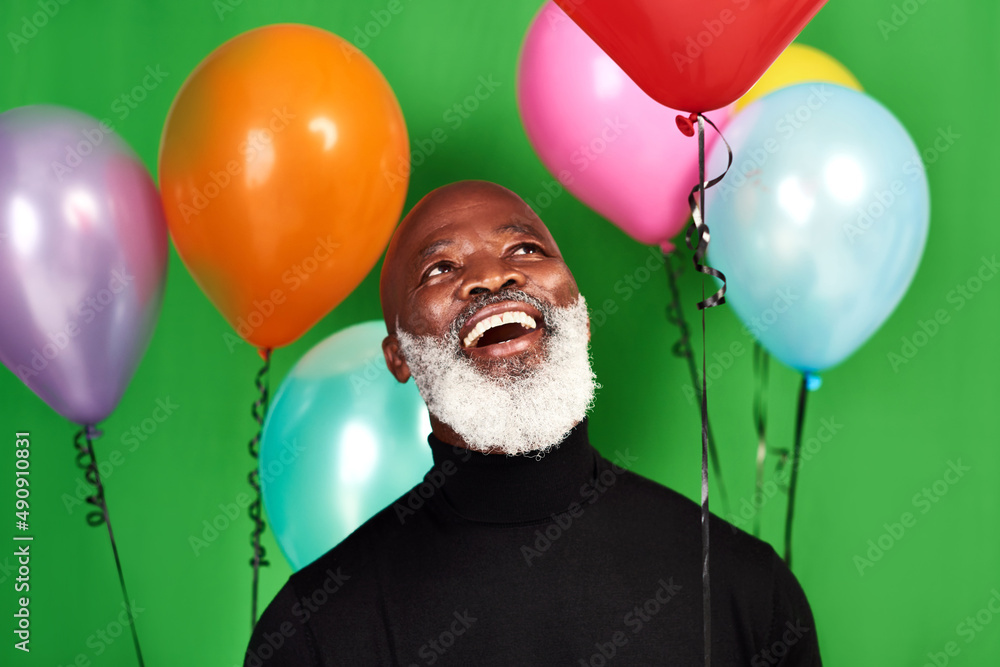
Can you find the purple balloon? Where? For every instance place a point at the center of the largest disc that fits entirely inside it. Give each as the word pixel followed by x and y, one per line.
pixel 83 259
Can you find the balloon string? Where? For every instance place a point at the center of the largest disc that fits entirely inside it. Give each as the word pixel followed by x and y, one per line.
pixel 705 586
pixel 698 224
pixel 761 362
pixel 98 516
pixel 796 451
pixel 682 349
pixel 258 410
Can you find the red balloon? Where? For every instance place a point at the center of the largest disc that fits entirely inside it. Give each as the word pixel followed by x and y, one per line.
pixel 693 55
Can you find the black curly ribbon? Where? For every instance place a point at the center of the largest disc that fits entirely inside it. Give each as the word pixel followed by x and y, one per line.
pixel 761 363
pixel 100 515
pixel 800 417
pixel 697 205
pixel 683 350
pixel 258 410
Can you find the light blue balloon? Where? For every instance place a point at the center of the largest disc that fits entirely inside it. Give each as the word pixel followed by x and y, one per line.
pixel 341 441
pixel 821 222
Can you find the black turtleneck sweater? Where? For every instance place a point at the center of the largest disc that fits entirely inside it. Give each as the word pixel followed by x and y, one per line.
pixel 570 559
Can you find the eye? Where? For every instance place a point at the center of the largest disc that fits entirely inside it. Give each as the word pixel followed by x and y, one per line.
pixel 527 249
pixel 438 269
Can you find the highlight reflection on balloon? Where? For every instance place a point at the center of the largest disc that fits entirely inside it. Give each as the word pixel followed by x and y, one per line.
pixel 342 440
pixel 284 165
pixel 83 259
pixel 820 224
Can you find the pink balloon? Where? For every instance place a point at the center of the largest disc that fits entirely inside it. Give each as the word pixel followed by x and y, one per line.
pixel 614 147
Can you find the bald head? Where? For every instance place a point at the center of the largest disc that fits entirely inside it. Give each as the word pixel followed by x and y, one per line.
pixel 452 220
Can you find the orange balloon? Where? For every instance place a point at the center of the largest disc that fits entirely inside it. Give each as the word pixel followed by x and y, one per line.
pixel 283 168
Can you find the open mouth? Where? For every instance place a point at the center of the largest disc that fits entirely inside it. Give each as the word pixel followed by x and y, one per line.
pixel 502 328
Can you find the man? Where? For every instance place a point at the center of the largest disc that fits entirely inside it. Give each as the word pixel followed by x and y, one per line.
pixel 523 545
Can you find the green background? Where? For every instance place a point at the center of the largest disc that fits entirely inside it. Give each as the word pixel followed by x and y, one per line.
pixel 900 428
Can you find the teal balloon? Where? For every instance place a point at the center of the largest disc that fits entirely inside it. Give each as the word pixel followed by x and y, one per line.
pixel 821 222
pixel 342 440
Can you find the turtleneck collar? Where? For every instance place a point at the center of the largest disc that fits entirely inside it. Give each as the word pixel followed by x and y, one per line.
pixel 496 488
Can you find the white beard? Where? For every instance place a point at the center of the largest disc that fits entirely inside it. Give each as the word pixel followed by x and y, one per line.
pixel 513 408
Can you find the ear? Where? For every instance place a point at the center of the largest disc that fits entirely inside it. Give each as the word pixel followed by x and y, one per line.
pixel 394 359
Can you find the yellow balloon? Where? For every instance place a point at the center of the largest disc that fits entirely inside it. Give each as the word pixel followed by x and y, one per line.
pixel 798 64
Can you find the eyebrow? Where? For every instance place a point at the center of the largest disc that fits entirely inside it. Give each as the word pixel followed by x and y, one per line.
pixel 433 248
pixel 515 227
pixel 512 227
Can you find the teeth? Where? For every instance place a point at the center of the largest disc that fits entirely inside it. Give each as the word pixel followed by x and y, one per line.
pixel 509 317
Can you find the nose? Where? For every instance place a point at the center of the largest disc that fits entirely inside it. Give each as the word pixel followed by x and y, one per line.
pixel 486 275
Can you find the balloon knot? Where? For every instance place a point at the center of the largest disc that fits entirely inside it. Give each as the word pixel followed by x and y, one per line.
pixel 686 124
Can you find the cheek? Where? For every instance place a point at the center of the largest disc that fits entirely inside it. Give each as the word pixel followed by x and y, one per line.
pixel 558 282
pixel 431 312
